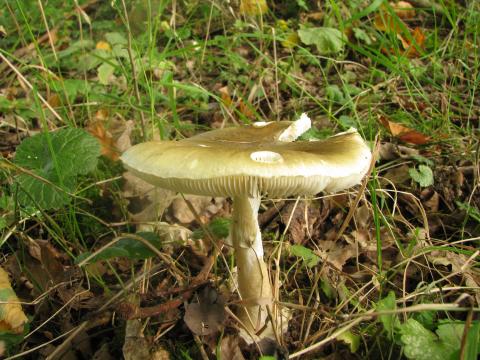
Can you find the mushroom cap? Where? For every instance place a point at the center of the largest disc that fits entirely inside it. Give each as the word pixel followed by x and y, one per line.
pixel 252 161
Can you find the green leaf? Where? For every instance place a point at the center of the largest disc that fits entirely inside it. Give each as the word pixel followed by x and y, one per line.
pixel 219 227
pixel 362 35
pixel 104 72
pixel 421 344
pixel 306 254
pixel 352 340
pixel 58 157
pixel 115 38
pixel 390 321
pixel 423 176
pixel 472 349
pixel 334 94
pixel 450 334
pixel 106 254
pixel 136 249
pixel 128 247
pixel 327 40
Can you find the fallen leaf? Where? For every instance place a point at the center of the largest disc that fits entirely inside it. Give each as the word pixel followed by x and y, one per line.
pixel 109 150
pixel 404 133
pixel 207 315
pixel 147 203
pixel 54 100
pixel 204 206
pixel 386 22
pixel 12 317
pixel 229 349
pixel 414 49
pixel 225 96
pixel 253 7
pixel 403 9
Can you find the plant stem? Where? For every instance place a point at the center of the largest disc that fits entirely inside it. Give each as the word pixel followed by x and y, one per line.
pixel 253 281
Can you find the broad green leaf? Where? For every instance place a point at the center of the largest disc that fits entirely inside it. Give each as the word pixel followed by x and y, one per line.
pixel 352 340
pixel 389 321
pixel 422 344
pixel 362 35
pixel 327 40
pixel 423 176
pixel 58 157
pixel 104 72
pixel 306 254
pixel 450 334
pixel 128 247
pixel 115 38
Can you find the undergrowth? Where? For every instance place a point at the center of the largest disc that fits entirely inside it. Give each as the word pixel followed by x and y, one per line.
pixel 389 270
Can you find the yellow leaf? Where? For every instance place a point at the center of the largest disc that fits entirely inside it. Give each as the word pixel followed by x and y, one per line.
pixel 253 7
pixel 291 40
pixel 12 317
pixel 103 45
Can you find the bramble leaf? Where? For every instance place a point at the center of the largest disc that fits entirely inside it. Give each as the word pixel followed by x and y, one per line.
pixel 58 158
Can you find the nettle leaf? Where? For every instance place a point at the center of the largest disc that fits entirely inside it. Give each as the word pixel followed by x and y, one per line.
pixel 422 344
pixel 423 175
pixel 308 256
pixel 57 157
pixel 327 40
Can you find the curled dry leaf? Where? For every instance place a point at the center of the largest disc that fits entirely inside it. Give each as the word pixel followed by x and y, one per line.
pixel 12 317
pixel 207 315
pixel 336 254
pixel 204 206
pixel 146 202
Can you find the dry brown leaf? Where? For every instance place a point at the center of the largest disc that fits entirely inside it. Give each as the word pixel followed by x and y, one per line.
pixel 147 203
pixel 335 253
pixel 225 96
pixel 206 316
pixel 403 9
pixel 12 317
pixel 404 133
pixel 54 100
pixel 415 48
pixel 107 143
pixel 229 349
pixel 205 207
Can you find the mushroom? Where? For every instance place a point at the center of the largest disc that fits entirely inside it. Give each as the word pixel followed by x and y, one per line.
pixel 247 163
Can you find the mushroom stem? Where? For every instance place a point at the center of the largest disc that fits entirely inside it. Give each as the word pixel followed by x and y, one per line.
pixel 253 281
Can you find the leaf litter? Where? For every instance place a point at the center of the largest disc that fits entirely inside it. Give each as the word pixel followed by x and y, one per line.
pixel 418 211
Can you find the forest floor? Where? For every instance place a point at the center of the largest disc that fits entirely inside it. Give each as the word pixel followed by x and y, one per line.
pixel 97 264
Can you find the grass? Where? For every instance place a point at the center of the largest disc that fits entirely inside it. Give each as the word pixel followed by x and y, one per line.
pixel 130 71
